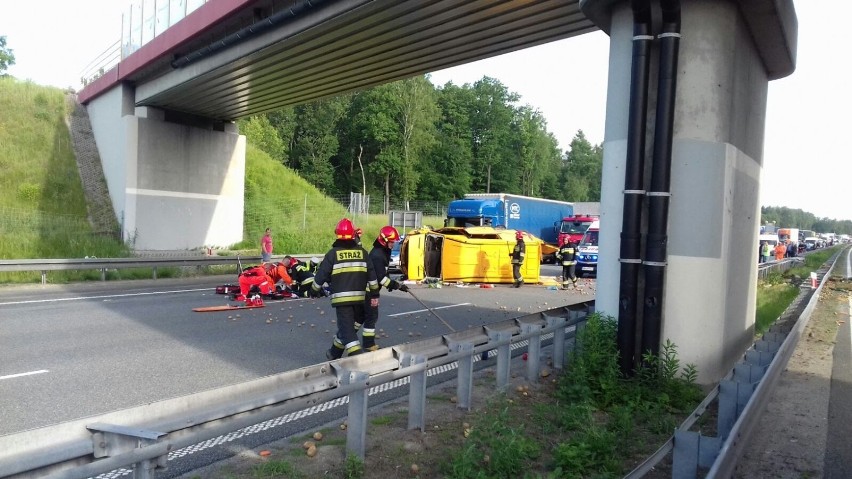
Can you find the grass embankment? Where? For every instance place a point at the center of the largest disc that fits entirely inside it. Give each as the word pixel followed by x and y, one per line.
pixel 43 209
pixel 42 206
pixel 777 291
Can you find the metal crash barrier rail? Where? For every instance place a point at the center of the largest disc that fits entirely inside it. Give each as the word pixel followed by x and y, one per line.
pixel 742 395
pixel 104 264
pixel 141 437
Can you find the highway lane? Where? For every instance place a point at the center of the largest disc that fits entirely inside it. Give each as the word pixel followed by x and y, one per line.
pixel 79 350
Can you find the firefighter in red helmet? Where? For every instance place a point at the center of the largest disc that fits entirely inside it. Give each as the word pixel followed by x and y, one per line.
pixel 350 275
pixel 380 257
pixel 517 255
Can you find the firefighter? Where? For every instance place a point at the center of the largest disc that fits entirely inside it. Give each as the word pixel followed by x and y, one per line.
pixel 350 275
pixel 380 257
pixel 517 255
pixel 302 275
pixel 567 255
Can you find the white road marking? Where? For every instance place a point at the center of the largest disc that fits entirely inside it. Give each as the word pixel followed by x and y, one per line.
pixel 80 298
pixel 40 371
pixel 426 310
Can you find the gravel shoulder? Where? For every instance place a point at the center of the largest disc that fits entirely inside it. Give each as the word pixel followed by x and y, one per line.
pixel 790 439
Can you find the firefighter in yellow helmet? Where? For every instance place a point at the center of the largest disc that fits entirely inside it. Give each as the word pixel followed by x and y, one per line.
pixel 350 275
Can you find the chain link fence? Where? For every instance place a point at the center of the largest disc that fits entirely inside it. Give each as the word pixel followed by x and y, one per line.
pixel 307 221
pixel 16 221
pixel 309 214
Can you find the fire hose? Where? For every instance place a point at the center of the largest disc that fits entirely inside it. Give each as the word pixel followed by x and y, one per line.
pixel 431 311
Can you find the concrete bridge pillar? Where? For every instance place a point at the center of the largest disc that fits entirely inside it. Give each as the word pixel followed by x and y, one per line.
pixel 729 51
pixel 176 182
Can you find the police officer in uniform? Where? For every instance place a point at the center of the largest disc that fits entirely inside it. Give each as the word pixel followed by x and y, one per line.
pixel 350 275
pixel 380 257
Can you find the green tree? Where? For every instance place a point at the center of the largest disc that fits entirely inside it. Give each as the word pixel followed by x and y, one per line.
pixel 373 139
pixel 393 126
pixel 491 118
pixel 416 114
pixel 260 133
pixel 315 140
pixel 7 56
pixel 284 121
pixel 582 170
pixel 537 151
pixel 447 174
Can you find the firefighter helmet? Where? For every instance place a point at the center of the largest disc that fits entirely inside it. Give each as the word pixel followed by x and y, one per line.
pixel 387 234
pixel 345 229
pixel 519 235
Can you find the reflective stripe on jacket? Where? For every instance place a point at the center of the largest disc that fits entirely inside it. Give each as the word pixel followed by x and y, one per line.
pixel 348 272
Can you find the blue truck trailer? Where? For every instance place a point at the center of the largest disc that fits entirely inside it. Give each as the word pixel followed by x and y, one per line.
pixel 538 216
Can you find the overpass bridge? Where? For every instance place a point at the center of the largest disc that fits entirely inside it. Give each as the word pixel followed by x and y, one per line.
pixel 163 119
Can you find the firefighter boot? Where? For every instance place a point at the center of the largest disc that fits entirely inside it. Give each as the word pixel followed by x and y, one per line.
pixel 334 353
pixel 369 343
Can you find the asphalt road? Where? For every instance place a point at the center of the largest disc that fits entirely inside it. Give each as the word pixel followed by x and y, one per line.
pixel 74 351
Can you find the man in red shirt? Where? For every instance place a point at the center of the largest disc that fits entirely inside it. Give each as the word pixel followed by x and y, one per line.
pixel 266 246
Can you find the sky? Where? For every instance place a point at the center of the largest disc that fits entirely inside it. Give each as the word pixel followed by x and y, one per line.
pixel 806 164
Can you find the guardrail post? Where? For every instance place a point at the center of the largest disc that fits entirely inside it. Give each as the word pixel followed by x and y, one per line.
pixel 112 440
pixel 691 451
pixel 103 274
pixel 356 430
pixel 733 397
pixel 558 339
pixel 464 388
pixel 416 391
pixel 533 350
pixel 504 356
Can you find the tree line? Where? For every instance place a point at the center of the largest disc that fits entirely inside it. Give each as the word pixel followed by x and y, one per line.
pixel 784 217
pixel 412 140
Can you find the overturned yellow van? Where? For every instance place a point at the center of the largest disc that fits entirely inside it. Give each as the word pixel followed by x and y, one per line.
pixel 479 254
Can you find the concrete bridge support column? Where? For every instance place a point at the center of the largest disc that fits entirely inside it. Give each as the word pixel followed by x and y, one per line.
pixel 725 64
pixel 175 182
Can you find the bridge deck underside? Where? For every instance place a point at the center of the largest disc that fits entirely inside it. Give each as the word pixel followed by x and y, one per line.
pixel 344 46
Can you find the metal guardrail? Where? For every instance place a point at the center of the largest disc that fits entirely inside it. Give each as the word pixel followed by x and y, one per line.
pixel 143 436
pixel 774 266
pixel 742 395
pixel 104 264
pixel 756 382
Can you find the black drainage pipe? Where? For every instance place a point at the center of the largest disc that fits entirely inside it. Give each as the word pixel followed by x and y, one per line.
pixel 631 222
pixel 246 33
pixel 659 193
